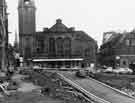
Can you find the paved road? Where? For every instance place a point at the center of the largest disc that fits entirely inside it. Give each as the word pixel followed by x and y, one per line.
pixel 99 89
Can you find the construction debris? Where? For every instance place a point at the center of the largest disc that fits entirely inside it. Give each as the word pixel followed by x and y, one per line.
pixel 56 87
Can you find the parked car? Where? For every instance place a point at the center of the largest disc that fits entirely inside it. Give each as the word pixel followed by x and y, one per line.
pixel 36 67
pixel 76 67
pixel 123 70
pixel 81 73
pixel 108 70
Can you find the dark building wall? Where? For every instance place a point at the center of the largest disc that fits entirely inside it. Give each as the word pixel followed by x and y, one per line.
pixel 64 45
pixel 123 47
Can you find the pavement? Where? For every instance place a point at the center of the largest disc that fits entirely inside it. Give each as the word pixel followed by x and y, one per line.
pixel 99 90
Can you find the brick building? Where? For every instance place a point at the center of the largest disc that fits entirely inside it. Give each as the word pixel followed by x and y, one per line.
pixel 60 45
pixel 54 46
pixel 118 49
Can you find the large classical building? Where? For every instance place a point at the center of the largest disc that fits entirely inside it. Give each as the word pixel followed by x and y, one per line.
pixel 58 45
pixel 118 49
pixel 64 46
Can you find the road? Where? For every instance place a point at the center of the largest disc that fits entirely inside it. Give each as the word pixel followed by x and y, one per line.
pixel 99 90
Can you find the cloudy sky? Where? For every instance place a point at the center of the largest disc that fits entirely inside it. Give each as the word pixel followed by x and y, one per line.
pixel 92 16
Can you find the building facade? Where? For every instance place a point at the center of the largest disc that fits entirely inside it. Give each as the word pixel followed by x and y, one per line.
pixel 118 49
pixel 54 46
pixel 60 45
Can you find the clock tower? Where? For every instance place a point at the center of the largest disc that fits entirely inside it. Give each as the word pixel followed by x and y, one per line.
pixel 27 26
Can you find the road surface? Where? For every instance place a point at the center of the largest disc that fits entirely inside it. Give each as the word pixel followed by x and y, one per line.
pixel 98 89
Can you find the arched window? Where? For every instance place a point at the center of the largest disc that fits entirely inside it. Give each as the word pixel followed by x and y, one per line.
pixel 27 48
pixel 87 52
pixel 67 47
pixel 27 52
pixel 59 46
pixel 52 46
pixel 40 46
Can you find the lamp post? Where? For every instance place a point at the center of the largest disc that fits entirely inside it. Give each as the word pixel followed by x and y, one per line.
pixel 117 61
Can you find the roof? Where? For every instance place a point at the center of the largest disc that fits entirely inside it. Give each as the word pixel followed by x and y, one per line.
pixel 110 36
pixel 81 35
pixel 117 39
pixel 59 27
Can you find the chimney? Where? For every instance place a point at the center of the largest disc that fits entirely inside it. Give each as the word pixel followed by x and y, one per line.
pixel 58 21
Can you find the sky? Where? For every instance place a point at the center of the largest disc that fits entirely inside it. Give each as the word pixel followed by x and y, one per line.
pixel 92 16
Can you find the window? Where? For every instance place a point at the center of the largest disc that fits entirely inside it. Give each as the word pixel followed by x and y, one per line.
pixel 124 62
pixel 87 52
pixel 127 42
pixel 67 47
pixel 52 46
pixel 27 52
pixel 132 42
pixel 59 43
pixel 40 46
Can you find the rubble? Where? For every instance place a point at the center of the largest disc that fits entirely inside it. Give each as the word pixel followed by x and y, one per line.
pixel 27 87
pixel 56 87
pixel 47 84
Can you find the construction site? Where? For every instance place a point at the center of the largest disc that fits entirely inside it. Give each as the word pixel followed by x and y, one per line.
pixel 60 78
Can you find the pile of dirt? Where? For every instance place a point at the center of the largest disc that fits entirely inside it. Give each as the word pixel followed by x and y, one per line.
pixel 54 86
pixel 29 97
pixel 25 92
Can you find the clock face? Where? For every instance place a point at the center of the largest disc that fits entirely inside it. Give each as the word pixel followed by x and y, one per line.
pixel 26 2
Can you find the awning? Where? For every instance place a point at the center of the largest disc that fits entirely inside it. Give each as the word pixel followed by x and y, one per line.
pixel 42 60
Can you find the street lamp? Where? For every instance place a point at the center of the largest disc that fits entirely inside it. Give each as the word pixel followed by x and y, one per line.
pixel 117 57
pixel 117 60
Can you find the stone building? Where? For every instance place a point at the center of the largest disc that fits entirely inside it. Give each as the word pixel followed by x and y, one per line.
pixel 60 45
pixel 118 49
pixel 27 26
pixel 54 46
